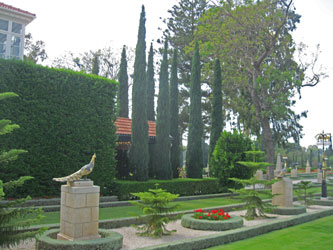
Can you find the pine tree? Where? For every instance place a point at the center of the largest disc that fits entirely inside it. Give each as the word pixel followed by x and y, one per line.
pixel 138 155
pixel 174 119
pixel 194 161
pixel 217 119
pixel 150 85
pixel 123 85
pixel 162 162
pixel 95 64
pixel 9 214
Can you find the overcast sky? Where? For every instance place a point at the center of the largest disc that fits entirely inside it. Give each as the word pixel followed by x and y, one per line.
pixel 85 25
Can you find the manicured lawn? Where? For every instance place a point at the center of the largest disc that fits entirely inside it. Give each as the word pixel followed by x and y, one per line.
pixel 314 235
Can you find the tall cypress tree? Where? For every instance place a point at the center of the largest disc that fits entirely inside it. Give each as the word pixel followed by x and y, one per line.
pixel 123 85
pixel 162 162
pixel 174 119
pixel 138 154
pixel 194 161
pixel 150 85
pixel 95 64
pixel 216 116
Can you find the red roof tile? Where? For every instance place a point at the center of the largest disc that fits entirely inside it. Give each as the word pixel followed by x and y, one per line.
pixel 124 126
pixel 3 5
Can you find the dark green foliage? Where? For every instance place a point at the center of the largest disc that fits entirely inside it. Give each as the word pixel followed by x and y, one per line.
pixel 162 161
pixel 123 86
pixel 155 204
pixel 150 85
pixel 95 64
pixel 194 161
pixel 138 155
pixel 9 215
pixel 230 149
pixel 64 118
pixel 303 194
pixel 184 187
pixel 174 118
pixel 216 116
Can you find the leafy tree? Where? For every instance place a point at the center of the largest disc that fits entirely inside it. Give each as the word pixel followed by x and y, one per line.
pixel 151 85
pixel 95 64
pixel 162 162
pixel 123 85
pixel 174 117
pixel 12 218
pixel 253 40
pixel 138 154
pixel 34 51
pixel 181 26
pixel 216 115
pixel 194 161
pixel 229 150
pixel 155 204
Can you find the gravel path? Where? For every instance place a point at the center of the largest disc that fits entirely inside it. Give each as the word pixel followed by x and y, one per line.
pixel 132 241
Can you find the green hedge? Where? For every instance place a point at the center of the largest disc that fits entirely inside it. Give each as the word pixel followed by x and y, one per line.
pixel 183 187
pixel 64 118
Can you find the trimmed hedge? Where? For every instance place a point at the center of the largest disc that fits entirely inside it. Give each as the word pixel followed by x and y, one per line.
pixel 210 225
pixel 287 210
pixel 183 187
pixel 65 117
pixel 109 241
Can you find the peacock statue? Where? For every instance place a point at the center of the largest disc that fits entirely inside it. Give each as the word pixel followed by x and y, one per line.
pixel 83 172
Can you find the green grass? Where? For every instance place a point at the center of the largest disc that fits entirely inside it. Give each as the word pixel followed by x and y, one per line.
pixel 315 235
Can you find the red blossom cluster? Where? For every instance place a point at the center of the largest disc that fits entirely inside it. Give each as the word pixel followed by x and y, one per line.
pixel 215 214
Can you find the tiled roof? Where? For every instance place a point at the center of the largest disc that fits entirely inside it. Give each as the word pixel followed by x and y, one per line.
pixel 124 126
pixel 3 5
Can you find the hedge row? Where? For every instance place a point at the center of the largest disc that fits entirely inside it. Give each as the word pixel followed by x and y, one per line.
pixel 64 117
pixel 183 187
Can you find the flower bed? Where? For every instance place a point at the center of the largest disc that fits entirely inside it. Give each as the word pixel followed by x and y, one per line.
pixel 215 220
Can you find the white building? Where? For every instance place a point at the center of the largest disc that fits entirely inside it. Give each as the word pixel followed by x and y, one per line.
pixel 12 30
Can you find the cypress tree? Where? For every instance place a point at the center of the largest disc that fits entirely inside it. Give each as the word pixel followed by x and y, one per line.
pixel 162 162
pixel 123 85
pixel 138 154
pixel 95 64
pixel 216 116
pixel 174 119
pixel 150 85
pixel 194 160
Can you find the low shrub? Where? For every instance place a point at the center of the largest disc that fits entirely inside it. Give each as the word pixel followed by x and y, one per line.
pixel 183 187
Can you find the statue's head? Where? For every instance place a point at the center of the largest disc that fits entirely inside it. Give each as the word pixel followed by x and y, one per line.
pixel 93 158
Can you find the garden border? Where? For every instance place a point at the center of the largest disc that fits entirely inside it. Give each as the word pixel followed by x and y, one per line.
pixel 295 210
pixel 239 233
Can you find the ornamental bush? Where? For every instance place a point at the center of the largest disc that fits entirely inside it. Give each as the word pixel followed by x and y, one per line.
pixel 64 118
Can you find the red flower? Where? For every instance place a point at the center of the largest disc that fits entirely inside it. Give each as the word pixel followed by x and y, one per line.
pixel 198 210
pixel 208 214
pixel 225 217
pixel 228 215
pixel 220 214
pixel 200 217
pixel 215 217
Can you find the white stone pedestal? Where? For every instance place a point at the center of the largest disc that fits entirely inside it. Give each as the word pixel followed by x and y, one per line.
pixel 294 173
pixel 259 175
pixel 320 177
pixel 285 190
pixel 308 170
pixel 79 211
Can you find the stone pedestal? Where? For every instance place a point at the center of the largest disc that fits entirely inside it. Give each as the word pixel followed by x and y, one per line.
pixel 294 173
pixel 307 168
pixel 79 211
pixel 320 177
pixel 259 175
pixel 285 190
pixel 278 168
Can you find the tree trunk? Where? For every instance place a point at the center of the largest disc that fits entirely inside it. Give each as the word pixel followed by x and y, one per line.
pixel 269 146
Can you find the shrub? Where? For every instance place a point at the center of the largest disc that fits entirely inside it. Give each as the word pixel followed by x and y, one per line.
pixel 303 193
pixel 183 187
pixel 230 149
pixel 65 117
pixel 155 204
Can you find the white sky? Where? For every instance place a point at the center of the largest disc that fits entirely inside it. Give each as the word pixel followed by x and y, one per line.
pixel 79 26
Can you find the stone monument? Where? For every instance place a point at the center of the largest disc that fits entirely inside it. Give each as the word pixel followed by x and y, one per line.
pixel 307 168
pixel 278 165
pixel 79 206
pixel 259 175
pixel 294 173
pixel 284 189
pixel 319 177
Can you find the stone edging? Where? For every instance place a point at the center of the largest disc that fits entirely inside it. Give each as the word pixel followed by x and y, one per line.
pixel 213 225
pixel 239 233
pixel 288 210
pixel 320 202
